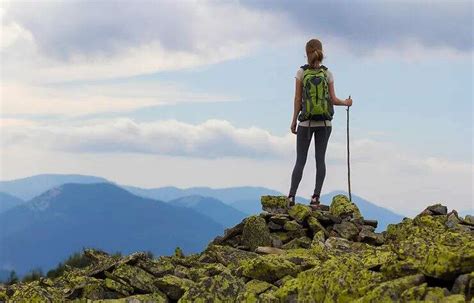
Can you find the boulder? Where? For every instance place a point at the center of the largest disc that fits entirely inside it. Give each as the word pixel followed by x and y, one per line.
pixel 346 230
pixel 269 268
pixel 274 204
pixel 173 286
pixel 342 207
pixel 299 212
pixel 255 233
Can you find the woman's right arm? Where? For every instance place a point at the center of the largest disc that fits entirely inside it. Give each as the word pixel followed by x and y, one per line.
pixel 298 97
pixel 335 100
pixel 296 104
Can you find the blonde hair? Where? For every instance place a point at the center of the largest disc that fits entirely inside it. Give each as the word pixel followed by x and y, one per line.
pixel 314 52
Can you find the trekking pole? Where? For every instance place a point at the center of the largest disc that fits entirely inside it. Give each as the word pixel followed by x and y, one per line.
pixel 348 157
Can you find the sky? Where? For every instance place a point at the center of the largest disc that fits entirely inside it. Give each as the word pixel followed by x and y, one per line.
pixel 200 93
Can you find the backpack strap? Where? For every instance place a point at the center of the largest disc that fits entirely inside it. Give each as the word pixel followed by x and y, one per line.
pixel 306 66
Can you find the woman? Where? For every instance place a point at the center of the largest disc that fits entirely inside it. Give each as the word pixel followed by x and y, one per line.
pixel 320 129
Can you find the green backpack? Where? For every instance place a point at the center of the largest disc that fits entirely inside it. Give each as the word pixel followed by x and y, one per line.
pixel 317 104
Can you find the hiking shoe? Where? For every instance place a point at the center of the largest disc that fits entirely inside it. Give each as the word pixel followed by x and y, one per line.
pixel 314 201
pixel 290 201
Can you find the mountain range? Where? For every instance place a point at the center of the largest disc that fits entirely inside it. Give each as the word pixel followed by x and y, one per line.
pixel 63 220
pixel 56 215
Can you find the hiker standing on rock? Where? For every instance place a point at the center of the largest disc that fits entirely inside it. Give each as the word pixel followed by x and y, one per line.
pixel 313 107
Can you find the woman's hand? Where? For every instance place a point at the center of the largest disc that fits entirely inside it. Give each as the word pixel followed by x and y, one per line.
pixel 293 127
pixel 348 101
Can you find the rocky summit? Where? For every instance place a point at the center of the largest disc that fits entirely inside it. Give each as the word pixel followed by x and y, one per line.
pixel 297 254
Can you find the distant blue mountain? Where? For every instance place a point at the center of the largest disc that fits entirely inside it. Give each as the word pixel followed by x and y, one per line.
pixel 246 199
pixel 222 213
pixel 465 212
pixel 8 201
pixel 369 210
pixel 227 195
pixel 63 220
pixel 29 187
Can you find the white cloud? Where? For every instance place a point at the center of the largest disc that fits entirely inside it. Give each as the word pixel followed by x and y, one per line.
pixel 94 40
pixel 83 99
pixel 216 153
pixel 211 139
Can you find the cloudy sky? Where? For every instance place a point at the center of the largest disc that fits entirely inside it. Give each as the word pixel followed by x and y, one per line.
pixel 200 93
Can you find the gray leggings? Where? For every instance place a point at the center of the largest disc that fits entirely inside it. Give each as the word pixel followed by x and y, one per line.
pixel 303 139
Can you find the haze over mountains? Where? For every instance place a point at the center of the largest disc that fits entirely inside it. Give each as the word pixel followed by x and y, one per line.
pixel 69 212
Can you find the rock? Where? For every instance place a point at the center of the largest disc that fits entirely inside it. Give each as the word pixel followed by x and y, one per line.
pixel 464 284
pixel 468 219
pixel 315 226
pixel 292 225
pixel 257 286
pixel 346 230
pixel 136 277
pixel 303 242
pixel 172 286
pixel 370 237
pixel 342 207
pixel 452 221
pixel 372 223
pixel 223 287
pixel 32 292
pixel 280 219
pixel 255 233
pixel 269 268
pixel 392 290
pixel 276 241
pixel 121 288
pixel 273 226
pixel 232 232
pixel 320 256
pixel 325 218
pixel 299 212
pixel 431 247
pixel 158 268
pixel 269 250
pixel 293 234
pixel 274 204
pixel 226 255
pixel 435 294
pixel 438 209
pixel 282 236
pixel 320 236
pixel 338 243
pixel 335 280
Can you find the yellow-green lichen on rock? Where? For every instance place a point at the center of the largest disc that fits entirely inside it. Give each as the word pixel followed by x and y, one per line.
pixel 431 247
pixel 255 233
pixel 35 293
pixel 285 255
pixel 336 280
pixel 299 212
pixel 273 202
pixel 391 291
pixel 341 207
pixel 219 288
pixel 268 268
pixel 173 286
